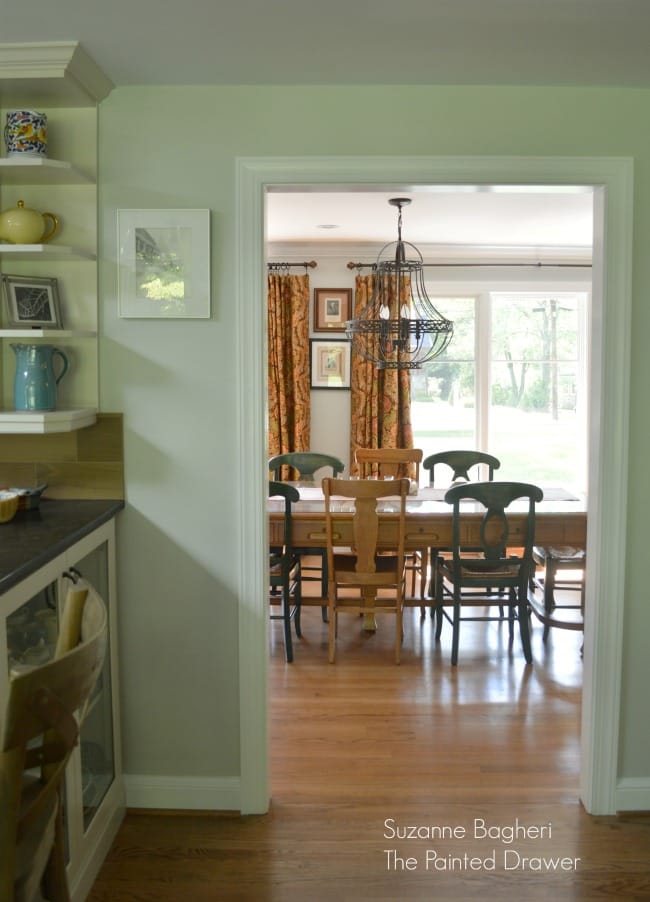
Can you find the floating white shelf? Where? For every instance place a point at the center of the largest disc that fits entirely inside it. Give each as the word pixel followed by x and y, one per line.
pixel 40 171
pixel 45 251
pixel 39 422
pixel 48 333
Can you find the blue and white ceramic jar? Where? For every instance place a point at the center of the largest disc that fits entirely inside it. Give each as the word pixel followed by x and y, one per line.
pixel 26 133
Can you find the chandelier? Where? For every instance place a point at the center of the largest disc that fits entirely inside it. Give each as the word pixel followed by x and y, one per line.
pixel 399 328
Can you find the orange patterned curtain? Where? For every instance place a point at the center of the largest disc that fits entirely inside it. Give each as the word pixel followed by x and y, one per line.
pixel 381 399
pixel 288 364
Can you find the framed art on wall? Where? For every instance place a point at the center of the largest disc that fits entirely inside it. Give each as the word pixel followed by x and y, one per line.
pixel 330 364
pixel 31 302
pixel 332 308
pixel 164 264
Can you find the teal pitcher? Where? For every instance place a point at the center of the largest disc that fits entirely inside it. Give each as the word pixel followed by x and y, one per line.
pixel 35 382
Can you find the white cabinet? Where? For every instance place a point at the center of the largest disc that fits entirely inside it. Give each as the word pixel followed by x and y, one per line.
pixel 61 81
pixel 29 615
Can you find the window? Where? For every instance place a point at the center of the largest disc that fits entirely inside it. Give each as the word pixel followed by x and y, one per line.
pixel 512 382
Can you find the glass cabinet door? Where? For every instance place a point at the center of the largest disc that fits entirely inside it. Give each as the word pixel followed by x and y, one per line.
pixel 96 740
pixel 32 631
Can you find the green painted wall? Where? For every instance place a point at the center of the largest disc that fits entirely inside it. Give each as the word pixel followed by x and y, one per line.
pixel 176 147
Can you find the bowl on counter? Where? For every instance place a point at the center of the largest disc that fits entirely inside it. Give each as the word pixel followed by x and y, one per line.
pixel 8 506
pixel 28 499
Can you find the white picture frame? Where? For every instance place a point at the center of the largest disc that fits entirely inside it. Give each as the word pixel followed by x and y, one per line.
pixel 163 264
pixel 330 363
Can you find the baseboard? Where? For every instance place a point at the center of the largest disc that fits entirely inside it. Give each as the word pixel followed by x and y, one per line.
pixel 633 794
pixel 191 793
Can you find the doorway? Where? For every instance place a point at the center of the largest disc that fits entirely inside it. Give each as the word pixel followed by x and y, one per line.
pixel 609 393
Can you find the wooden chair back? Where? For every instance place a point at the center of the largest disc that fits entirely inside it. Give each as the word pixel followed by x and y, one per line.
pixel 304 463
pixel 400 463
pixel 366 568
pixel 40 731
pixel 366 493
pixel 460 463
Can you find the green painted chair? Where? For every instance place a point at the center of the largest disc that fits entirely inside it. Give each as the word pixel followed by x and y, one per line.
pixel 301 466
pixel 284 570
pixel 470 582
pixel 555 560
pixel 304 464
pixel 460 463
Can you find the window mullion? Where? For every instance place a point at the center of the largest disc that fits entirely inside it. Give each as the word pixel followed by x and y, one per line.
pixel 483 341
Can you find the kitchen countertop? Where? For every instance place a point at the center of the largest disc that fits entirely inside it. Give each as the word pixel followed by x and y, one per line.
pixel 33 538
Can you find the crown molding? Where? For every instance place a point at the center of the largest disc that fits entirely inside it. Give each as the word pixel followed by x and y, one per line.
pixel 54 73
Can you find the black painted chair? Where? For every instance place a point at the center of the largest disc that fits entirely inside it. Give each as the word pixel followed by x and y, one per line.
pixel 465 582
pixel 301 466
pixel 284 570
pixel 553 561
pixel 304 464
pixel 460 463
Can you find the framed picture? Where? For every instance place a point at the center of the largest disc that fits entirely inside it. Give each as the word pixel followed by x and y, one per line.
pixel 332 308
pixel 31 302
pixel 164 264
pixel 330 364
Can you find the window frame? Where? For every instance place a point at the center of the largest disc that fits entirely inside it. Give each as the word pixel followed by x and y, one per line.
pixel 483 297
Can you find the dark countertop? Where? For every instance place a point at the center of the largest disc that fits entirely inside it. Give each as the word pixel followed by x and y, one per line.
pixel 33 538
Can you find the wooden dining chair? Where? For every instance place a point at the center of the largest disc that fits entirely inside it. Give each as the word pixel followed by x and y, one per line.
pixel 302 466
pixel 456 465
pixel 398 463
pixel 284 570
pixel 468 582
pixel 365 579
pixel 40 732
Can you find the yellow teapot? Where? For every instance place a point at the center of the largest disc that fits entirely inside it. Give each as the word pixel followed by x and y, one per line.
pixel 20 225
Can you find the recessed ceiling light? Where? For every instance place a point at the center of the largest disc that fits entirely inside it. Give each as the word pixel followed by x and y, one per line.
pixel 328 225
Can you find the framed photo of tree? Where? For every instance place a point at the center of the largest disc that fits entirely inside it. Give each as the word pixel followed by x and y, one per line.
pixel 164 264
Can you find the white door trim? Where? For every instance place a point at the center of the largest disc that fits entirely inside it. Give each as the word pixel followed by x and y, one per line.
pixel 609 386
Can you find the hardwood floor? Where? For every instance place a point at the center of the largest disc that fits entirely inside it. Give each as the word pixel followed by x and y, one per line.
pixel 363 750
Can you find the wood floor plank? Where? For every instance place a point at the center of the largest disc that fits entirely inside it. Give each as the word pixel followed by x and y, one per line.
pixel 364 748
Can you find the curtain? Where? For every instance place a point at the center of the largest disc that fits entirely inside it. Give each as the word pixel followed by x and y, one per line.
pixel 380 399
pixel 288 363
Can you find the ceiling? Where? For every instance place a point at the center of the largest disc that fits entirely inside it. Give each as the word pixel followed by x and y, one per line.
pixel 450 220
pixel 513 42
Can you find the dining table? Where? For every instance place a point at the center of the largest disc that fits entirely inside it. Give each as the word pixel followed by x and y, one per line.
pixel 561 519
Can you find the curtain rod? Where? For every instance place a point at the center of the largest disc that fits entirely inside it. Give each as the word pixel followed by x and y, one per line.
pixel 279 267
pixel 538 265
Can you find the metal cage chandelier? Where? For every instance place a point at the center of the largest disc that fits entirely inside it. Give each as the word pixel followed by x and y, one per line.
pixel 399 328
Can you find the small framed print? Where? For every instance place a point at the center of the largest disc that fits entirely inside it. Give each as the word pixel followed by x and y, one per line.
pixel 332 308
pixel 164 264
pixel 330 364
pixel 31 302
